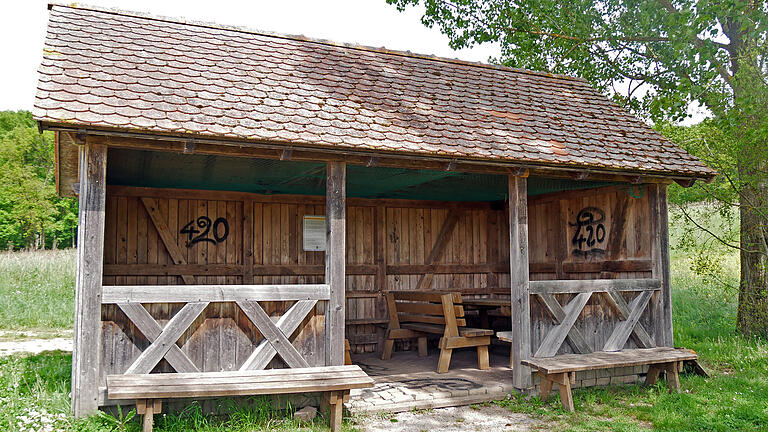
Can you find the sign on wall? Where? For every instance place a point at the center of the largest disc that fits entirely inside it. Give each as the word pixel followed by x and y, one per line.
pixel 314 233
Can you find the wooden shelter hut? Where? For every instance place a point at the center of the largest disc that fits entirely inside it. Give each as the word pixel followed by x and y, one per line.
pixel 248 199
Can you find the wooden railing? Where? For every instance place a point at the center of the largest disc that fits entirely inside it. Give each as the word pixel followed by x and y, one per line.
pixel 197 297
pixel 610 289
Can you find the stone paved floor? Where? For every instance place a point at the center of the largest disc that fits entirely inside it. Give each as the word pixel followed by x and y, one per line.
pixel 408 381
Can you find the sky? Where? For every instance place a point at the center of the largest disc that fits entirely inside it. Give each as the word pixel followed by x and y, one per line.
pixel 366 22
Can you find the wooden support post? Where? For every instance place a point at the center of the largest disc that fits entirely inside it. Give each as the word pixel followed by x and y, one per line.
pixel 660 257
pixel 90 258
pixel 519 281
pixel 336 408
pixel 335 256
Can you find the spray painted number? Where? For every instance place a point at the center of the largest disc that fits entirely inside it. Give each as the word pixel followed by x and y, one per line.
pixel 219 229
pixel 590 232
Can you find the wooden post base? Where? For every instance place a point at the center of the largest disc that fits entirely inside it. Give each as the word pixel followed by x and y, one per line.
pixel 671 369
pixel 563 381
pixel 334 406
pixel 148 408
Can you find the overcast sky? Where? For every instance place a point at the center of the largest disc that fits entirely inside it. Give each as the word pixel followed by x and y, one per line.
pixel 366 22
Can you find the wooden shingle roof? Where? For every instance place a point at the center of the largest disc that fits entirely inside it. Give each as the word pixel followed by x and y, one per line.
pixel 116 70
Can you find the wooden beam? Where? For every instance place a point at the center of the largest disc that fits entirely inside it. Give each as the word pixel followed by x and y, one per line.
pixel 172 331
pixel 165 193
pixel 556 336
pixel 623 329
pixel 519 281
pixel 660 257
pixel 273 334
pixel 574 337
pixel 335 261
pixel 287 323
pixel 425 281
pixel 90 258
pixel 433 269
pixel 393 160
pixel 616 300
pixel 593 285
pixel 151 329
pixel 158 219
pixel 212 293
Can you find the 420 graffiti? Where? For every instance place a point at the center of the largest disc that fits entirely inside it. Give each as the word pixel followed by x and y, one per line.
pixel 219 229
pixel 590 232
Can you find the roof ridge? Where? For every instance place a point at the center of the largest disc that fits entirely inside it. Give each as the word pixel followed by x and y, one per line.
pixel 302 38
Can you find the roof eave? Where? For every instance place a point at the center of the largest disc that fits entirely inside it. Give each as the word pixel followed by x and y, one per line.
pixel 685 179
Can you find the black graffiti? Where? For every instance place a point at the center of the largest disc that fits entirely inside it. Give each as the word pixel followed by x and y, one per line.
pixel 219 229
pixel 590 232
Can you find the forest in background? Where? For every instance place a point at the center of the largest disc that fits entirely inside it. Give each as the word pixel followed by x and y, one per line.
pixel 32 215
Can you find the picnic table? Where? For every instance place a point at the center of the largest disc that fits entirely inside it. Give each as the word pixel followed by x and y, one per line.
pixel 483 305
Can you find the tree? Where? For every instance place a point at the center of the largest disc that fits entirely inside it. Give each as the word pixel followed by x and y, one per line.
pixel 31 214
pixel 656 57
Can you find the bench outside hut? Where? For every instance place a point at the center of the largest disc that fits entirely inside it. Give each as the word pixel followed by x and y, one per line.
pixel 248 199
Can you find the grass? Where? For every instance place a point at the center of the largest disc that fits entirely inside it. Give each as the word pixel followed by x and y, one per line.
pixel 734 398
pixel 37 291
pixel 34 389
pixel 34 398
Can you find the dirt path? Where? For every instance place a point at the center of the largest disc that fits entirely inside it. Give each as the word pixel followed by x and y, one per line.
pixel 466 418
pixel 35 343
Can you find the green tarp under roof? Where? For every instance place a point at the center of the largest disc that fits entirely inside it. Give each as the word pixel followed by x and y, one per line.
pixel 265 176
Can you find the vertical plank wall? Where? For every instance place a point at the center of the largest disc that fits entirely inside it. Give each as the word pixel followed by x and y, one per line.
pixel 389 245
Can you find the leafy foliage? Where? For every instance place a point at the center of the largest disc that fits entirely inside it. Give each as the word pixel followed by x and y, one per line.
pixel 656 57
pixel 31 214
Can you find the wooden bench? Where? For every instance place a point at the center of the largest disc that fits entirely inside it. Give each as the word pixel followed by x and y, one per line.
pixel 561 369
pixel 149 389
pixel 419 314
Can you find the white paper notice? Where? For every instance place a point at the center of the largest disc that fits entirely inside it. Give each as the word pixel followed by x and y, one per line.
pixel 314 233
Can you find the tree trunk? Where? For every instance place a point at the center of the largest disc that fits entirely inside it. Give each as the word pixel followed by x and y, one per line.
pixel 752 317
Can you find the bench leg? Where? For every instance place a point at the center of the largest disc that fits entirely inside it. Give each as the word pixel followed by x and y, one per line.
pixel 653 374
pixel 148 408
pixel 563 381
pixel 546 388
pixel 423 346
pixel 482 357
pixel 445 360
pixel 566 396
pixel 386 354
pixel 336 407
pixel 511 357
pixel 673 379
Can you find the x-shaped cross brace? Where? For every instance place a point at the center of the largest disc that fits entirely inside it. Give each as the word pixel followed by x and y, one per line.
pixel 630 314
pixel 275 335
pixel 163 339
pixel 567 318
pixel 574 337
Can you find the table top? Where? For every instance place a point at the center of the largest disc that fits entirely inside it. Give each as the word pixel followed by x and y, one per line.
pixel 487 302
